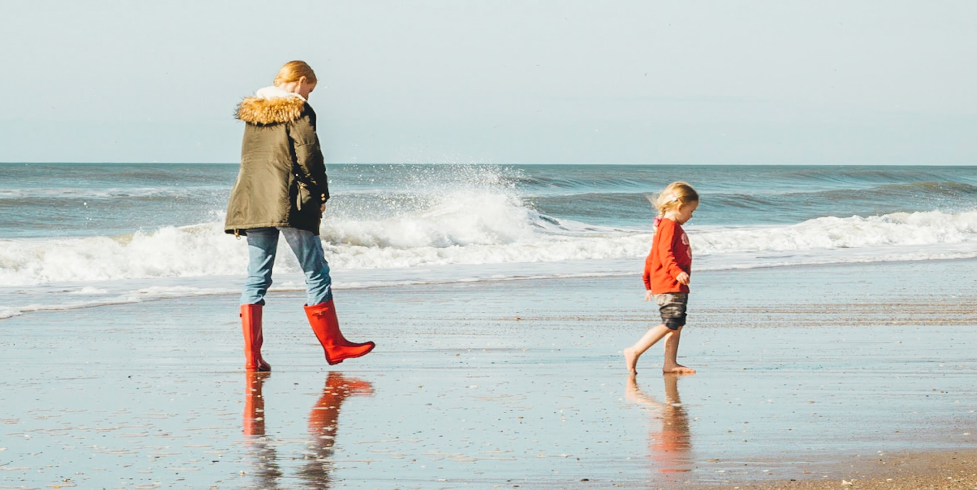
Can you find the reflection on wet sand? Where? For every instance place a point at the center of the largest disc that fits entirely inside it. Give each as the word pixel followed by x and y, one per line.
pixel 323 425
pixel 262 451
pixel 669 440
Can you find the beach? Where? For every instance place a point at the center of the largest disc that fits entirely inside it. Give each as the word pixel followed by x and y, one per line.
pixel 807 375
pixel 489 214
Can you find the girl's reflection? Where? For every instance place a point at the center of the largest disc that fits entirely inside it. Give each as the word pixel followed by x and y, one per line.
pixel 669 442
pixel 322 430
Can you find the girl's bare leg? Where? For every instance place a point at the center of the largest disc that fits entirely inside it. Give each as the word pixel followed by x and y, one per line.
pixel 653 335
pixel 671 354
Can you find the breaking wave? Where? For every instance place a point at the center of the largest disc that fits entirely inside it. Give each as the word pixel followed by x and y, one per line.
pixel 470 226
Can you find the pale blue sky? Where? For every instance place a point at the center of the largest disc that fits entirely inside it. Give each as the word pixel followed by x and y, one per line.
pixel 558 81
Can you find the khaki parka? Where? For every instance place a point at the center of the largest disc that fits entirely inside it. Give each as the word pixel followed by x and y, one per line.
pixel 282 179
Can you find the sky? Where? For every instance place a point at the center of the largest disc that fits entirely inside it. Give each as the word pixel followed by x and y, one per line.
pixel 499 81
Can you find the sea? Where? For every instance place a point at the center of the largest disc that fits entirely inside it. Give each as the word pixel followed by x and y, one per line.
pixel 84 235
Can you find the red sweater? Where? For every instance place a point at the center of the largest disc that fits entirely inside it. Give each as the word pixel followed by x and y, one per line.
pixel 670 255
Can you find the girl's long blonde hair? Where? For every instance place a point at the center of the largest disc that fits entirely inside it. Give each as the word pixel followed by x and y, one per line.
pixel 293 71
pixel 674 195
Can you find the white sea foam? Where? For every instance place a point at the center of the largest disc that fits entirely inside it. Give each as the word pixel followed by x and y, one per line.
pixel 855 232
pixel 103 297
pixel 198 250
pixel 88 291
pixel 468 226
pixel 441 247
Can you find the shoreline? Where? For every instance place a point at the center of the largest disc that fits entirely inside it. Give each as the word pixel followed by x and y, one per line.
pixel 129 291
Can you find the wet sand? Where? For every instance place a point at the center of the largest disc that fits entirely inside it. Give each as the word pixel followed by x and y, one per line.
pixel 816 374
pixel 938 470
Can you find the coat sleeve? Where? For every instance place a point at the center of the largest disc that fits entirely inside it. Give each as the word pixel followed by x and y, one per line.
pixel 666 250
pixel 310 165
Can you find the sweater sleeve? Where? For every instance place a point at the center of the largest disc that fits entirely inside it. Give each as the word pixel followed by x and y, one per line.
pixel 646 276
pixel 665 248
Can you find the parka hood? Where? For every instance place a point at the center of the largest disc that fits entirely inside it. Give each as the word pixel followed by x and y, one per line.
pixel 271 105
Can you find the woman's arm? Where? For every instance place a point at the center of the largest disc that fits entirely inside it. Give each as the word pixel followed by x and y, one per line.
pixel 310 165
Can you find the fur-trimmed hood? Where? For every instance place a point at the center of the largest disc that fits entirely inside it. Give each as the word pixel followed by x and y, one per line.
pixel 271 105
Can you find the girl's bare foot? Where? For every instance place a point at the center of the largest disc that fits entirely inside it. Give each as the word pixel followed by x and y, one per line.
pixel 631 359
pixel 677 369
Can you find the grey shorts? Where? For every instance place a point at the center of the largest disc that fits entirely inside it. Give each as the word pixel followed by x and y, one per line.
pixel 672 307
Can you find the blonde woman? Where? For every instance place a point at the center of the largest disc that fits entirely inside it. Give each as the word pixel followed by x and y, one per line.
pixel 281 189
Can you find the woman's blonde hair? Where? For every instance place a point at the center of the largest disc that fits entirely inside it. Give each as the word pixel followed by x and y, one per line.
pixel 674 195
pixel 295 70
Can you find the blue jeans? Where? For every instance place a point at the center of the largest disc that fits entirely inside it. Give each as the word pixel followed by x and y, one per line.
pixel 262 245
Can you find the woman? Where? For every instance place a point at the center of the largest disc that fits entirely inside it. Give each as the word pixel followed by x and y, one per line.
pixel 282 188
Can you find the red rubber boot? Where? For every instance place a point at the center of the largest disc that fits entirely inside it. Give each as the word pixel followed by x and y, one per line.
pixel 253 338
pixel 325 324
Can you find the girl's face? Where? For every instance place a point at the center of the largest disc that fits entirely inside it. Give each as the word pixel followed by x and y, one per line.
pixel 683 213
pixel 301 87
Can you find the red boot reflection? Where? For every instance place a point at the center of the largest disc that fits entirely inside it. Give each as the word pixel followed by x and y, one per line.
pixel 254 403
pixel 323 424
pixel 264 460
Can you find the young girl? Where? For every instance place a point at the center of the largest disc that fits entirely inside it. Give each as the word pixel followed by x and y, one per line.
pixel 666 276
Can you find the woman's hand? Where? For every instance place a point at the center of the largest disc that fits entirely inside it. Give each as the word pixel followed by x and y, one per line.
pixel 682 278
